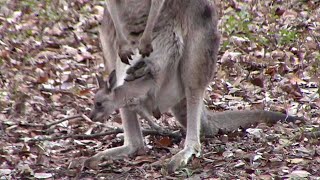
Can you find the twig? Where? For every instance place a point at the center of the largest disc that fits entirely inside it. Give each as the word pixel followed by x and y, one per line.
pixel 87 119
pixel 208 160
pixel 62 120
pixel 145 115
pixel 90 121
pixel 55 91
pixel 172 134
pixel 52 123
pixel 80 136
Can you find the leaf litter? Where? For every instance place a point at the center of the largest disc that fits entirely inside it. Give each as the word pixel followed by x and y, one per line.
pixel 269 59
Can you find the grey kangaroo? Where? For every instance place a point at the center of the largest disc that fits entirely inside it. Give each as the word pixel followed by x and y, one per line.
pixel 179 66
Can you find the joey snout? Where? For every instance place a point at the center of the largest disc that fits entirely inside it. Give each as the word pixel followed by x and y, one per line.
pixel 100 111
pixel 96 115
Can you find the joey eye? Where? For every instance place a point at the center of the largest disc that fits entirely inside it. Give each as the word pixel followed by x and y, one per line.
pixel 98 104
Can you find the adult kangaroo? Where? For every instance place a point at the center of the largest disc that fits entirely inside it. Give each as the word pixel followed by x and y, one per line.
pixel 172 75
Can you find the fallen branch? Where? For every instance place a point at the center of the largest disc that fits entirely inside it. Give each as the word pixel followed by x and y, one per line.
pixel 31 124
pixel 174 134
pixel 78 136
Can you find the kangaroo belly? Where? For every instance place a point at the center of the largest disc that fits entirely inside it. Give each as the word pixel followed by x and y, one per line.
pixel 170 94
pixel 134 16
pixel 166 58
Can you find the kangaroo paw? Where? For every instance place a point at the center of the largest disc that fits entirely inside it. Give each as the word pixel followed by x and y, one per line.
pixel 181 159
pixel 145 48
pixel 137 71
pixel 125 52
pixel 113 153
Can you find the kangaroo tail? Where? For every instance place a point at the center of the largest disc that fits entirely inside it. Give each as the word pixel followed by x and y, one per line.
pixel 229 121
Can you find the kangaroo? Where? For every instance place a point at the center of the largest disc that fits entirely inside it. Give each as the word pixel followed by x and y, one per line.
pixel 185 42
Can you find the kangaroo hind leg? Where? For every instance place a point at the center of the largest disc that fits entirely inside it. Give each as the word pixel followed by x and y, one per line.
pixel 198 66
pixel 133 141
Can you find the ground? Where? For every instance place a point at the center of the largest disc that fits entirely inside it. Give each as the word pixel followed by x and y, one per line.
pixel 49 54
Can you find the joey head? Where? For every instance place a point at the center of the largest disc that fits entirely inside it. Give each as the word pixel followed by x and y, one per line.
pixel 133 95
pixel 104 100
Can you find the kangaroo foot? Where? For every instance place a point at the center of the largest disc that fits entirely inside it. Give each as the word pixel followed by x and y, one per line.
pixel 113 153
pixel 181 158
pixel 137 71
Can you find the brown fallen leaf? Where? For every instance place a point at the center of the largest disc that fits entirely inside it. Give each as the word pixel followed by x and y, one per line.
pixel 257 81
pixel 163 142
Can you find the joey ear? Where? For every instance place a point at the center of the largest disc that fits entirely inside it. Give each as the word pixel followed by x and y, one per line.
pixel 100 81
pixel 112 79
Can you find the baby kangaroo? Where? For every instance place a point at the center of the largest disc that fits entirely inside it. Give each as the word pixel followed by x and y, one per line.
pixel 136 96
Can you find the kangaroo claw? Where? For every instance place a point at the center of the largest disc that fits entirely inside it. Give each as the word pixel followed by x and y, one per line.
pixel 125 51
pixel 145 50
pixel 125 57
pixel 181 158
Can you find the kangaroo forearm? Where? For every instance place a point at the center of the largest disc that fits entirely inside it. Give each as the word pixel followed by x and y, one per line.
pixel 114 9
pixel 156 6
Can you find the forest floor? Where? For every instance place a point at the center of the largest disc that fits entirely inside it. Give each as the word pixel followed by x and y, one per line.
pixel 49 54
